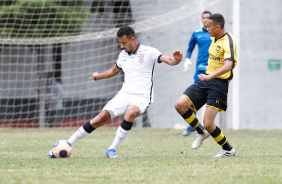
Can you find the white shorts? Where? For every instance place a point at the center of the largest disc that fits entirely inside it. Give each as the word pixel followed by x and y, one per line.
pixel 120 103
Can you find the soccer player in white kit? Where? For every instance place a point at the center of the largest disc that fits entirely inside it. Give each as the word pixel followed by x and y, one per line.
pixel 137 62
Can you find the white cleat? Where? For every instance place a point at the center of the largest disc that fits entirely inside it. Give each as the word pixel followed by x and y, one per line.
pixel 224 153
pixel 50 154
pixel 199 139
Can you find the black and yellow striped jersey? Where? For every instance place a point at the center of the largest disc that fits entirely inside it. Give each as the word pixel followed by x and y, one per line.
pixel 220 50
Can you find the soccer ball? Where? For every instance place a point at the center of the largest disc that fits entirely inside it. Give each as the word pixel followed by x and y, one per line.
pixel 62 149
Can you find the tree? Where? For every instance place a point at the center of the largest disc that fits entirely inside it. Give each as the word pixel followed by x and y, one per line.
pixel 27 18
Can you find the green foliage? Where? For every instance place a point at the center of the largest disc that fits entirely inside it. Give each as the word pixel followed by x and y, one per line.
pixel 75 3
pixel 6 2
pixel 39 18
pixel 98 6
pixel 147 155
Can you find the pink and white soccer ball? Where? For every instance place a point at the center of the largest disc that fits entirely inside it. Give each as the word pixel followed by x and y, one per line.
pixel 62 149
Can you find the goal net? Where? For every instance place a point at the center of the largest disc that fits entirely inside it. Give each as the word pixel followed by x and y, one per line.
pixel 69 40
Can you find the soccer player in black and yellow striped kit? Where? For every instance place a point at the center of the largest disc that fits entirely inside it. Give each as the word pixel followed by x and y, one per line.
pixel 212 88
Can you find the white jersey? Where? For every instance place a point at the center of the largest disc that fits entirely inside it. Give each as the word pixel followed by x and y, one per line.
pixel 138 71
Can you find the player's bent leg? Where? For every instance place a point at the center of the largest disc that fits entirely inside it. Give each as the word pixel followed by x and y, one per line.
pixel 87 128
pixel 90 126
pixel 227 150
pixel 82 132
pixel 182 104
pixel 189 129
pixel 209 118
pixel 123 130
pixel 132 112
pixel 101 119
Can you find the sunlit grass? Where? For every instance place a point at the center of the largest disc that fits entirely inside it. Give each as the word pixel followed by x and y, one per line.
pixel 147 155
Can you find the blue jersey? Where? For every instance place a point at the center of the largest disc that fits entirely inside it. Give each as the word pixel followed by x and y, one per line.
pixel 203 39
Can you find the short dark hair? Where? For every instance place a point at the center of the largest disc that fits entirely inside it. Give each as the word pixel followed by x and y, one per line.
pixel 127 31
pixel 205 12
pixel 218 19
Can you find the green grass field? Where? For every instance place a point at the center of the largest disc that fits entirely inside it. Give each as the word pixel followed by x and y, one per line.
pixel 147 155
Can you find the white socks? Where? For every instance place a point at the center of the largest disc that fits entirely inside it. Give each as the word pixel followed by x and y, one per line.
pixel 79 134
pixel 120 135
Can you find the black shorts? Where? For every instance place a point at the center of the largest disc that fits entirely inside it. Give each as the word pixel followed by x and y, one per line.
pixel 211 92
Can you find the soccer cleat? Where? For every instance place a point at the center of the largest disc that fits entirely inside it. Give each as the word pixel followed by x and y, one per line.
pixel 111 153
pixel 188 131
pixel 50 154
pixel 199 139
pixel 224 153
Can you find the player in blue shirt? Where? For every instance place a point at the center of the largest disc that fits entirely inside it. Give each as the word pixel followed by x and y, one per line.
pixel 203 39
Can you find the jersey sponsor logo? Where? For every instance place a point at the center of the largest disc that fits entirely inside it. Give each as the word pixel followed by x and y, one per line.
pixel 141 59
pixel 212 57
pixel 144 50
pixel 135 94
pixel 217 48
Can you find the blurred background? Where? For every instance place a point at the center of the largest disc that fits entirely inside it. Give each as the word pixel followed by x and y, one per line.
pixel 70 40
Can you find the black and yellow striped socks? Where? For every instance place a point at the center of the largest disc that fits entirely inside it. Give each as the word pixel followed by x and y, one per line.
pixel 219 137
pixel 190 118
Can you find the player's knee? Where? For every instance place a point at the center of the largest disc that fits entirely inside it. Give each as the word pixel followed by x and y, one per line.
pixel 100 120
pixel 179 106
pixel 126 125
pixel 131 114
pixel 209 125
pixel 95 122
pixel 206 126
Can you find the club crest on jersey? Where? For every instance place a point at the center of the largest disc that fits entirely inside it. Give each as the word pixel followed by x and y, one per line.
pixel 217 48
pixel 141 59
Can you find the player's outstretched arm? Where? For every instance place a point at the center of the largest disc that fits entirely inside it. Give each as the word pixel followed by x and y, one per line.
pixel 175 60
pixel 107 74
